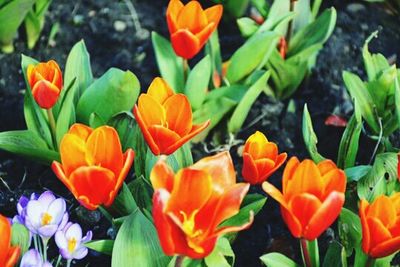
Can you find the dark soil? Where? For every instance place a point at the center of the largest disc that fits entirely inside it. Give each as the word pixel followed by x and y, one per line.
pixel 100 23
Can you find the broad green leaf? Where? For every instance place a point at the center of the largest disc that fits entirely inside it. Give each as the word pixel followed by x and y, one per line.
pixel 374 63
pixel 354 174
pixel 140 147
pixel 279 9
pixel 28 144
pixel 222 255
pixel 213 49
pixel 137 244
pixel 169 64
pixel 142 192
pixel 275 259
pixel 96 121
pixel 261 6
pixel 247 26
pixel 359 92
pixel 20 236
pixel 122 87
pixel 124 123
pixel 309 136
pixel 11 16
pixel 349 230
pixel 303 18
pixel 253 54
pixel 196 87
pixel 335 255
pixel 236 7
pixel 66 116
pixel 242 110
pixel 102 246
pixel 275 23
pixel 124 204
pixel 233 92
pixel 397 99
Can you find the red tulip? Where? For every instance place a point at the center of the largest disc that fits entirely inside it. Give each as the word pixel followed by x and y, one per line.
pixel 8 255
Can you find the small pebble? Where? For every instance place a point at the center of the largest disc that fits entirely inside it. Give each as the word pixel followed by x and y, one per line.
pixel 119 26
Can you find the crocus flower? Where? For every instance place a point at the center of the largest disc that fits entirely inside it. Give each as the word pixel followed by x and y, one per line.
pixel 70 242
pixel 312 197
pixel 260 158
pixel 93 166
pixel 32 258
pixel 21 208
pixel 45 80
pixel 380 225
pixel 165 118
pixel 8 255
pixel 46 215
pixel 189 206
pixel 190 26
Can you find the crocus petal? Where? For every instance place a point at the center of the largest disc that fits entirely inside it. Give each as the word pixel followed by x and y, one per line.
pixel 57 210
pixel 162 176
pixel 46 199
pixel 75 231
pixel 61 240
pixel 34 215
pixel 80 253
pixel 179 114
pixel 47 231
pixel 185 43
pixel 385 248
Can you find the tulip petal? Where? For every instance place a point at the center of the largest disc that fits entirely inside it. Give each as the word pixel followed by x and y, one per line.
pixel 45 94
pixel 366 236
pixel 303 207
pixel 292 222
pixel 185 43
pixel 162 176
pixel 383 210
pixel 204 34
pixel 192 17
pixel 80 130
pixel 325 216
pixel 249 169
pixel 57 75
pixel 334 180
pixel 72 151
pixel 386 248
pixel 151 111
pixel 146 134
pixel 85 179
pixel 288 173
pixel 164 139
pixel 159 89
pixel 58 170
pixel 255 145
pixel 378 232
pixel 214 14
pixel 5 230
pixel 13 256
pixel 178 114
pixel 326 166
pixel 265 168
pixel 275 194
pixel 173 10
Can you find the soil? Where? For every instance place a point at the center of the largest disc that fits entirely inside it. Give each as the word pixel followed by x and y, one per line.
pixel 113 41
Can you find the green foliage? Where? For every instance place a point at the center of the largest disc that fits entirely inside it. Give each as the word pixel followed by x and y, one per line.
pixel 20 236
pixel 102 246
pixel 277 260
pixel 309 136
pixel 34 21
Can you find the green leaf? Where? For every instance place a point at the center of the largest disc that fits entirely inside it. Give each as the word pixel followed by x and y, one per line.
pixel 350 233
pixel 313 250
pixel 120 86
pixel 247 26
pixel 124 123
pixel 124 204
pixel 96 121
pixel 102 246
pixel 11 16
pixel 137 244
pixel 34 21
pixel 28 144
pixel 20 236
pixel 309 136
pixel 275 259
pixel 222 255
pixel 335 255
pixel 374 63
pixel 348 147
pixel 354 174
pixel 234 92
pixel 142 192
pixel 363 99
pixel 197 82
pixel 252 55
pixel 169 64
pixel 236 7
pixel 213 49
pixel 397 99
pixel 66 116
pixel 242 110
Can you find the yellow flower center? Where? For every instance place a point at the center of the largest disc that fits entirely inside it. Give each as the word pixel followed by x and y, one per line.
pixel 188 227
pixel 46 218
pixel 71 245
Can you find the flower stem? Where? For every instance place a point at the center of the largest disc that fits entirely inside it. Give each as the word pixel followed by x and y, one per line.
pixel 370 262
pixel 305 252
pixel 185 66
pixel 179 261
pixel 52 123
pixel 58 260
pixel 290 26
pixel 45 241
pixel 69 263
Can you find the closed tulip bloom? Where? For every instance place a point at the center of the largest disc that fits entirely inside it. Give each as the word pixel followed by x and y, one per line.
pixel 190 26
pixel 312 196
pixel 45 80
pixel 93 166
pixel 8 255
pixel 165 118
pixel 189 206
pixel 380 222
pixel 260 158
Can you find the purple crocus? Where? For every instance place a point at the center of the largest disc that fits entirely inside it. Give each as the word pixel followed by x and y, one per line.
pixel 70 242
pixel 32 258
pixel 21 208
pixel 46 215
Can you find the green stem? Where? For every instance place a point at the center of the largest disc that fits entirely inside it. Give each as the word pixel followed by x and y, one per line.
pixel 305 252
pixel 370 262
pixel 179 261
pixel 185 66
pixel 35 243
pixel 315 8
pixel 69 263
pixel 290 26
pixel 52 123
pixel 107 215
pixel 45 241
pixel 58 260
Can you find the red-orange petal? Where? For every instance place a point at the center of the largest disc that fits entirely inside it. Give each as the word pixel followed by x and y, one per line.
pixel 59 172
pixel 164 139
pixel 249 169
pixel 178 114
pixel 45 94
pixel 162 176
pixel 146 134
pixel 378 232
pixel 303 207
pixel 288 173
pixel 292 222
pixel 72 151
pixel 386 248
pixel 185 43
pixel 214 13
pixel 159 90
pixel 173 10
pixel 366 239
pixel 192 17
pixel 80 130
pixel 275 194
pixel 13 256
pixel 5 230
pixel 265 168
pixel 151 111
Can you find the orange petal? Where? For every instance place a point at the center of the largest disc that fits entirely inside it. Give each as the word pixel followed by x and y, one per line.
pixel 182 197
pixel 204 34
pixel 162 176
pixel 178 114
pixel 85 179
pixel 303 207
pixel 173 10
pixel 185 43
pixel 275 194
pixel 45 94
pixel 325 216
pixel 103 148
pixel 13 256
pixel 220 168
pixel 378 233
pixel 288 173
pixel 57 75
pixel 192 17
pixel 146 134
pixel 334 180
pixel 152 113
pixel 366 239
pixel 5 230
pixel 80 130
pixel 249 169
pixel 265 168
pixel 386 248
pixel 72 151
pixel 164 139
pixel 326 166
pixel 292 222
pixel 214 14
pixel 159 90
pixel 383 210
pixel 30 75
pixel 59 172
pixel 255 145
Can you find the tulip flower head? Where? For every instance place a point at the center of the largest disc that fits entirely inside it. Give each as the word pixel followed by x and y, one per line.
pixel 93 166
pixel 189 206
pixel 312 196
pixel 32 258
pixel 380 225
pixel 165 118
pixel 260 158
pixel 45 80
pixel 8 255
pixel 190 26
pixel 71 243
pixel 46 215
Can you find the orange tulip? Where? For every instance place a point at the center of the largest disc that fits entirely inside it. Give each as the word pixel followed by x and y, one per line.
pixel 45 80
pixel 92 164
pixel 260 158
pixel 165 118
pixel 380 222
pixel 8 255
pixel 190 26
pixel 312 198
pixel 189 206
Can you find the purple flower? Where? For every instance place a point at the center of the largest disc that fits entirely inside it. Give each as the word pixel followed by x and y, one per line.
pixel 32 258
pixel 46 215
pixel 70 242
pixel 21 208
